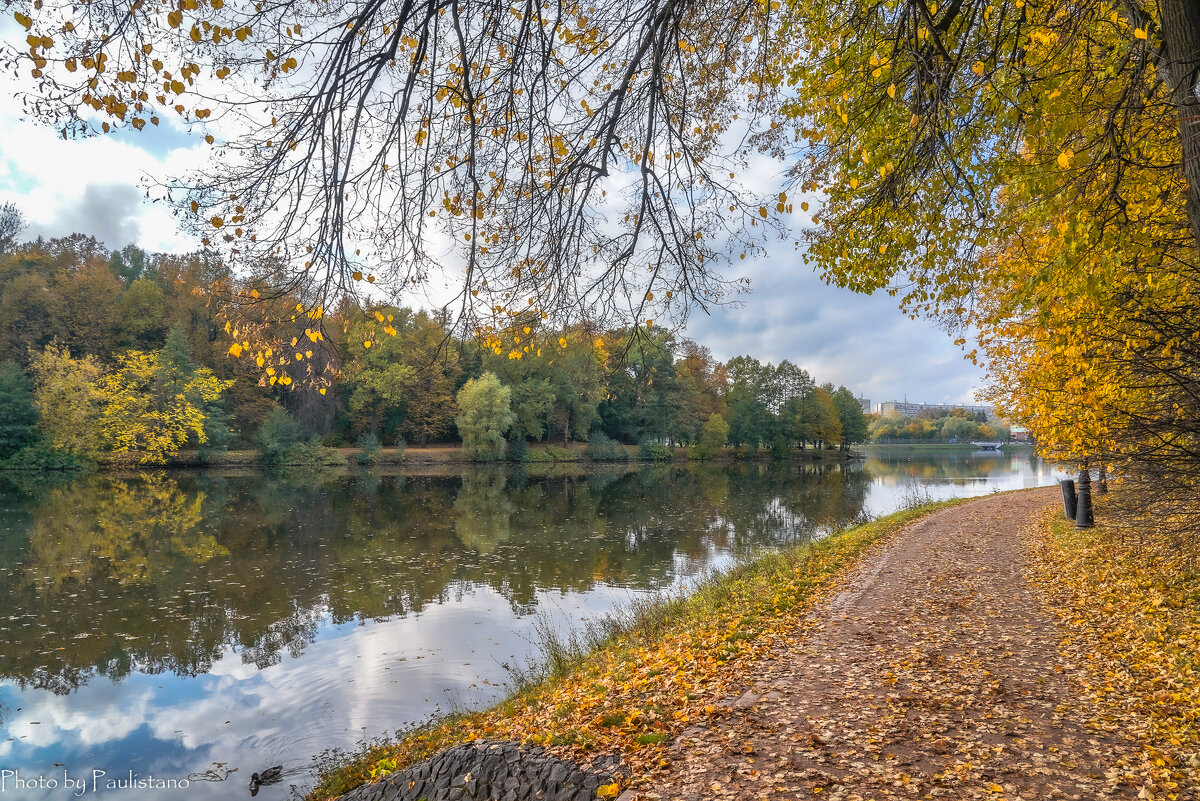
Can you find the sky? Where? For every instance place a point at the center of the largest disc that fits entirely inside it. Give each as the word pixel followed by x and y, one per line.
pixel 98 186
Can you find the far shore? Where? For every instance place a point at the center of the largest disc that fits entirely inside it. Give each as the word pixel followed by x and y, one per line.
pixel 447 455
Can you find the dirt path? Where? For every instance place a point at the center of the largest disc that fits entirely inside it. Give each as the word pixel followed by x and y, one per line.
pixel 934 674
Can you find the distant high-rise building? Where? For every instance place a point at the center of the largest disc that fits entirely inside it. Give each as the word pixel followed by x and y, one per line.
pixel 912 409
pixel 865 403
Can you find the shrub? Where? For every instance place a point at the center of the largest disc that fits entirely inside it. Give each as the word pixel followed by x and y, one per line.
pixel 310 454
pixel 368 449
pixel 558 454
pixel 780 448
pixel 218 433
pixel 278 434
pixel 518 448
pixel 40 455
pixel 655 452
pixel 602 448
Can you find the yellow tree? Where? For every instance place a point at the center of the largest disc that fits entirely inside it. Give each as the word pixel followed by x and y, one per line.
pixel 154 406
pixel 69 399
pixel 1022 169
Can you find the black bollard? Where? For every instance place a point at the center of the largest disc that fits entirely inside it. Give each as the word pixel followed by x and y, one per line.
pixel 1069 499
pixel 1083 511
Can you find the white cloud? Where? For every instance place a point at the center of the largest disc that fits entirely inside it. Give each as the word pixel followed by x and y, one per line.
pixel 97 186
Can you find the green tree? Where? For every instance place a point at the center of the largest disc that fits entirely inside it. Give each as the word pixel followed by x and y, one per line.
pixel 713 436
pixel 959 428
pixel 484 416
pixel 278 433
pixel 429 409
pixel 142 314
pixel 851 417
pixel 377 381
pixel 18 415
pixel 751 419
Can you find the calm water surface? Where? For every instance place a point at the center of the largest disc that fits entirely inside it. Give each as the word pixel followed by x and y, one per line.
pixel 195 628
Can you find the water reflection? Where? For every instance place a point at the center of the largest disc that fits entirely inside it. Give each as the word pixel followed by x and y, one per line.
pixel 166 572
pixel 173 623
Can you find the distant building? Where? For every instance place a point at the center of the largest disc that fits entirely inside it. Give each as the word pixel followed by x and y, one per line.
pixel 912 409
pixel 1019 434
pixel 865 403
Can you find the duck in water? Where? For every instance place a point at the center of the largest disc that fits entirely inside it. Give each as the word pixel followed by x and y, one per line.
pixel 268 776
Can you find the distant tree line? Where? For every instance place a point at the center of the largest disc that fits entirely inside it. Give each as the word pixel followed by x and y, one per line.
pixel 126 355
pixel 957 425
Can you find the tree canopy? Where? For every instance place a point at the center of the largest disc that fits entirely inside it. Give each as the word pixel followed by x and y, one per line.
pixel 378 142
pixel 1028 172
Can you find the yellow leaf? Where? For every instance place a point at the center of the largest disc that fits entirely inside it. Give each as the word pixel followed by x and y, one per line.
pixel 356 275
pixel 321 390
pixel 367 343
pixel 1064 159
pixel 608 790
pixel 175 18
pixel 217 222
pixel 977 68
pixel 1139 33
pixel 235 350
pixel 892 90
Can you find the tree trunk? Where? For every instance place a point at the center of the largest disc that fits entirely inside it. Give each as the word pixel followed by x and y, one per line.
pixel 1181 31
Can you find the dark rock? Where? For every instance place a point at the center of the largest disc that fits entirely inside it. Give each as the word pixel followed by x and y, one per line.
pixel 496 771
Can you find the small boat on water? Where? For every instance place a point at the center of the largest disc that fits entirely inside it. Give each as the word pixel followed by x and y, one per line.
pixel 988 446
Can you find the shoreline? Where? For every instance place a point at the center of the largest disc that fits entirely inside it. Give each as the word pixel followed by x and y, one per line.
pixel 433 456
pixel 450 455
pixel 622 693
pixel 656 699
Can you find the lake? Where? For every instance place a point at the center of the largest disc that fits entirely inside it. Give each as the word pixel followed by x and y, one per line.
pixel 184 629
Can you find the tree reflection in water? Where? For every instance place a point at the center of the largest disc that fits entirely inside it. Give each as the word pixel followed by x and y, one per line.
pixel 108 575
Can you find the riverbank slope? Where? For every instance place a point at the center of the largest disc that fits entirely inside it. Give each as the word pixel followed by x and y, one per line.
pixel 986 650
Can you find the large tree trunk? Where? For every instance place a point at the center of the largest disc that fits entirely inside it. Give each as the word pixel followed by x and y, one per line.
pixel 1181 31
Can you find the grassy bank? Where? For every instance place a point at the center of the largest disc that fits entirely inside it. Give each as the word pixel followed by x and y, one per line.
pixel 628 689
pixel 1130 604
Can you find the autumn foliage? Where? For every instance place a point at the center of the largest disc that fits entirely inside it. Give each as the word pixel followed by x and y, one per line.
pixel 672 667
pixel 1024 173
